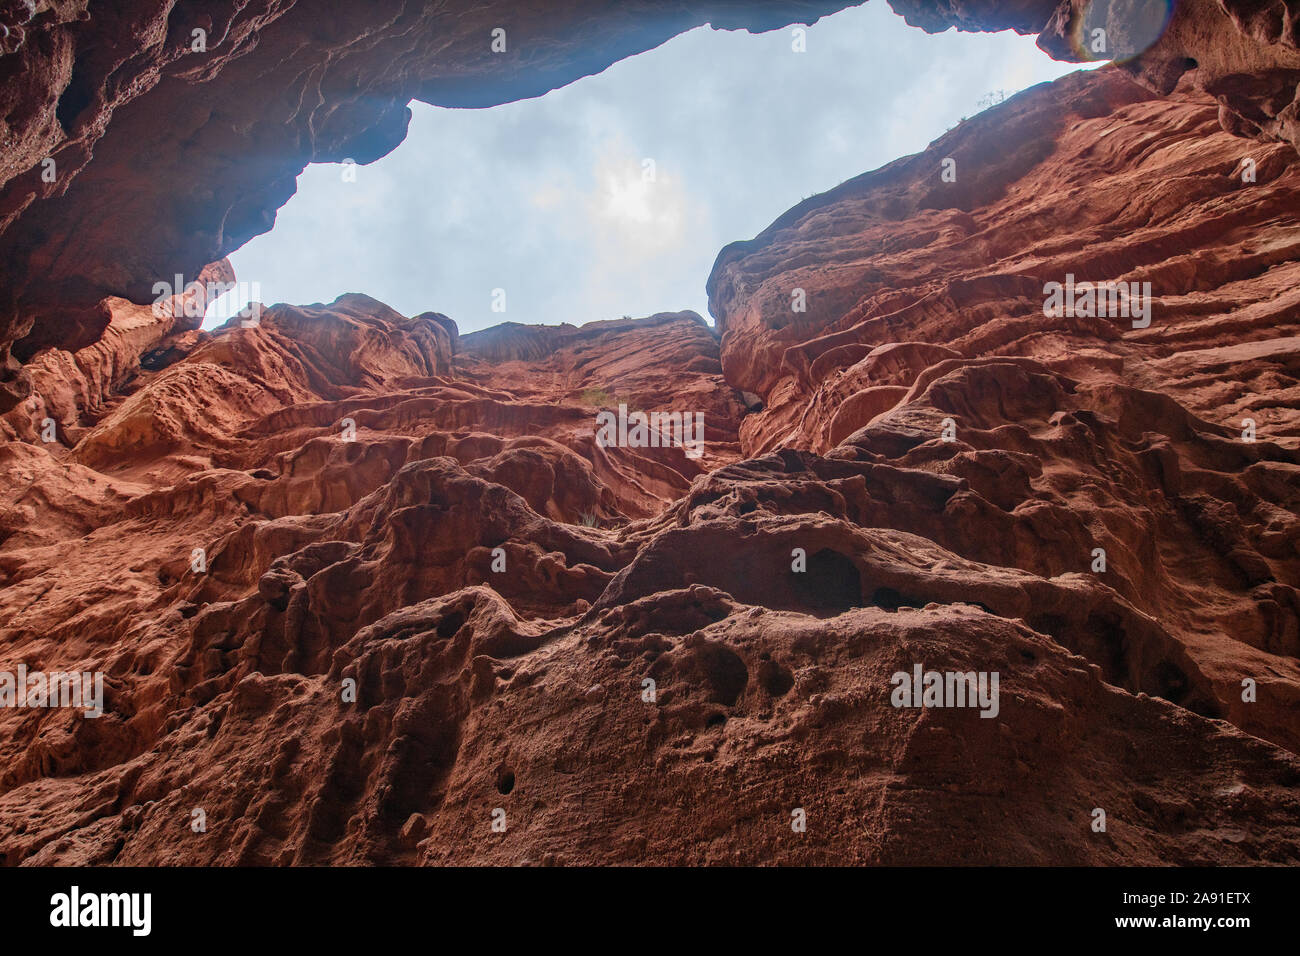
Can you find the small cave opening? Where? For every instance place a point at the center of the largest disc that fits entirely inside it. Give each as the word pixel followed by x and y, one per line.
pixel 1177 687
pixel 724 672
pixel 775 679
pixel 1171 682
pixel 74 100
pixel 831 582
pixel 451 624
pixel 505 780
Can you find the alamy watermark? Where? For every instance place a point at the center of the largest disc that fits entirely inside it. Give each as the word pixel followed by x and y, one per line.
pixel 923 688
pixel 133 911
pixel 1100 299
pixel 81 689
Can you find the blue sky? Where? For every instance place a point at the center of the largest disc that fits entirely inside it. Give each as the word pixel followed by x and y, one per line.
pixel 552 199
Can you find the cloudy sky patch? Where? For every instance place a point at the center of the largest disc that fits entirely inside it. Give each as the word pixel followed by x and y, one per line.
pixel 553 199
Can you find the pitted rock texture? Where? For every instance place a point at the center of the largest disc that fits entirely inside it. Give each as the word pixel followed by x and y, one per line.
pixel 361 586
pixel 920 314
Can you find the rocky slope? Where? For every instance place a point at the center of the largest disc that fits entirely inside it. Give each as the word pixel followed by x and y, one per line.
pixel 433 620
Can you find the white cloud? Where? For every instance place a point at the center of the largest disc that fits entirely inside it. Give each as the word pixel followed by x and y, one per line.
pixel 547 197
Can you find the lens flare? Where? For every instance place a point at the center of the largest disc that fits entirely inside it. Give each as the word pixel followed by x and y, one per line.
pixel 1119 29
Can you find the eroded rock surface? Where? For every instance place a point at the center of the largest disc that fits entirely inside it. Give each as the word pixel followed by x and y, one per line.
pixel 185 125
pixel 361 586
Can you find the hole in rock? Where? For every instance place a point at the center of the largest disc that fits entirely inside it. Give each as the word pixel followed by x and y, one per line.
pixel 505 781
pixel 775 679
pixel 723 671
pixel 1175 686
pixel 1105 643
pixel 1053 625
pixel 75 98
pixel 154 360
pixel 831 583
pixel 1204 707
pixel 1171 682
pixel 450 624
pixel 613 195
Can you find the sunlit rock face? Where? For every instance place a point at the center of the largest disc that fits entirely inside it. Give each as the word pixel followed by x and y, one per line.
pixel 948 254
pixel 368 556
pixel 363 589
pixel 182 127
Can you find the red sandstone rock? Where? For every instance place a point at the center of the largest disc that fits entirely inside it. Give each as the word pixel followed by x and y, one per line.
pixel 424 593
pixel 1091 199
pixel 149 111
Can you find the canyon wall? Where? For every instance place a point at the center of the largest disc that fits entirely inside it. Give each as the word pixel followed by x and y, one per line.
pixel 182 126
pixel 365 590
